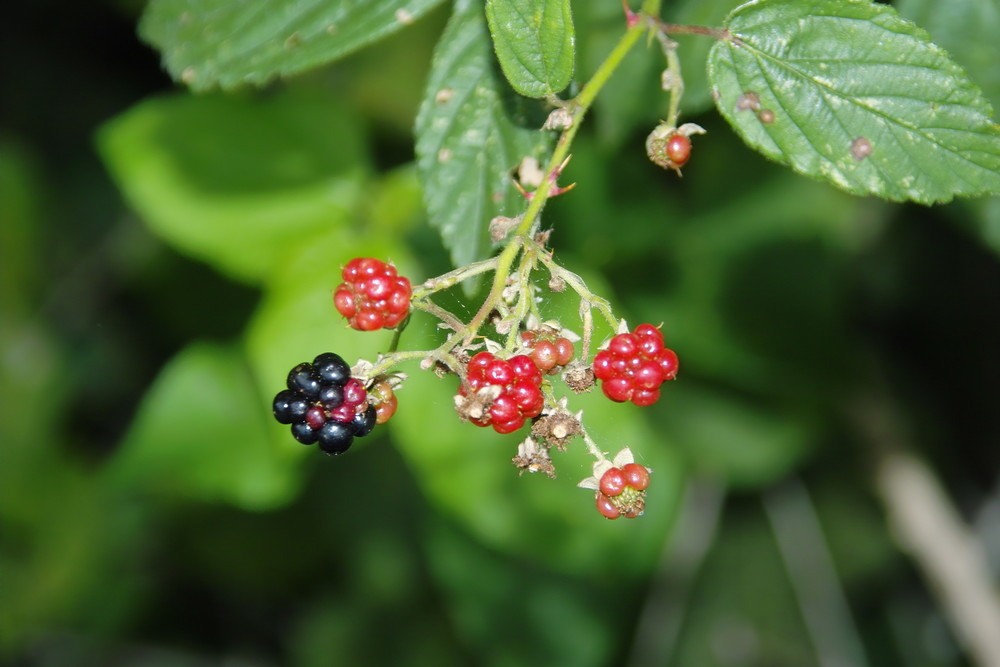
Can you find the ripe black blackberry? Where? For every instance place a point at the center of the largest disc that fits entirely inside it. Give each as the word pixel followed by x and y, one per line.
pixel 324 404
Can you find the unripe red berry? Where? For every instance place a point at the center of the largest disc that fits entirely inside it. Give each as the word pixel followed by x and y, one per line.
pixel 384 400
pixel 606 508
pixel 498 372
pixel 544 355
pixel 613 482
pixel 634 365
pixel 520 395
pixel 668 362
pixel 623 345
pixel 504 428
pixel 636 476
pixel 373 295
pixel 315 417
pixel 524 367
pixel 386 409
pixel 618 389
pixel 564 351
pixel 547 348
pixel 603 369
pixel 644 397
pixel 678 150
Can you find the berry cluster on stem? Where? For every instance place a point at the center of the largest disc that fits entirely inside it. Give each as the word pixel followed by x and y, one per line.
pixel 506 356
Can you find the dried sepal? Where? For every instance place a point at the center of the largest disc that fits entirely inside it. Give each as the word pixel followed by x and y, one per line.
pixel 622 458
pixel 558 427
pixel 579 377
pixel 559 119
pixel 594 481
pixel 501 226
pixel 532 457
pixel 475 406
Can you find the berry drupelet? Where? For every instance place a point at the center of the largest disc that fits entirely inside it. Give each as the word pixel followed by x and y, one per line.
pixel 324 404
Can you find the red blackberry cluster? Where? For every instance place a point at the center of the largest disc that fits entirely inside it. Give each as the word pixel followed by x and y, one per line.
pixel 634 366
pixel 325 405
pixel 622 491
pixel 518 383
pixel 372 296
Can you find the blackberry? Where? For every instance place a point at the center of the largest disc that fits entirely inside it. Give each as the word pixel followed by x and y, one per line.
pixel 331 368
pixel 302 432
pixel 364 421
pixel 304 380
pixel 331 396
pixel 324 404
pixel 289 407
pixel 336 437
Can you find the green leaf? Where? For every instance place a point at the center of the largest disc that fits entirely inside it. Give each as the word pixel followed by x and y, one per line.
pixel 747 444
pixel 692 50
pixel 468 139
pixel 859 96
pixel 968 30
pixel 476 582
pixel 534 41
pixel 238 183
pixel 207 43
pixel 202 433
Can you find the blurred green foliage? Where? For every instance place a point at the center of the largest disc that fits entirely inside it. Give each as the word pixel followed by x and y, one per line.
pixel 152 299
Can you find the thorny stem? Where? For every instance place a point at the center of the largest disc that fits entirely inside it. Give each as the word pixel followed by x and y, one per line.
pixel 452 278
pixel 678 29
pixel 503 263
pixel 394 343
pixel 592 447
pixel 587 315
pixel 522 242
pixel 676 80
pixel 579 106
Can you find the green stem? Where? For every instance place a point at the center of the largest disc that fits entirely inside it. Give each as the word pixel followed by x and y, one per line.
pixel 676 80
pixel 651 7
pixel 396 333
pixel 678 29
pixel 453 277
pixel 580 105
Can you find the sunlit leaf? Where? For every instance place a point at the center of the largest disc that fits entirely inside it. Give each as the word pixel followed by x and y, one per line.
pixel 238 183
pixel 849 92
pixel 727 438
pixel 208 43
pixel 468 139
pixel 200 433
pixel 968 30
pixel 534 41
